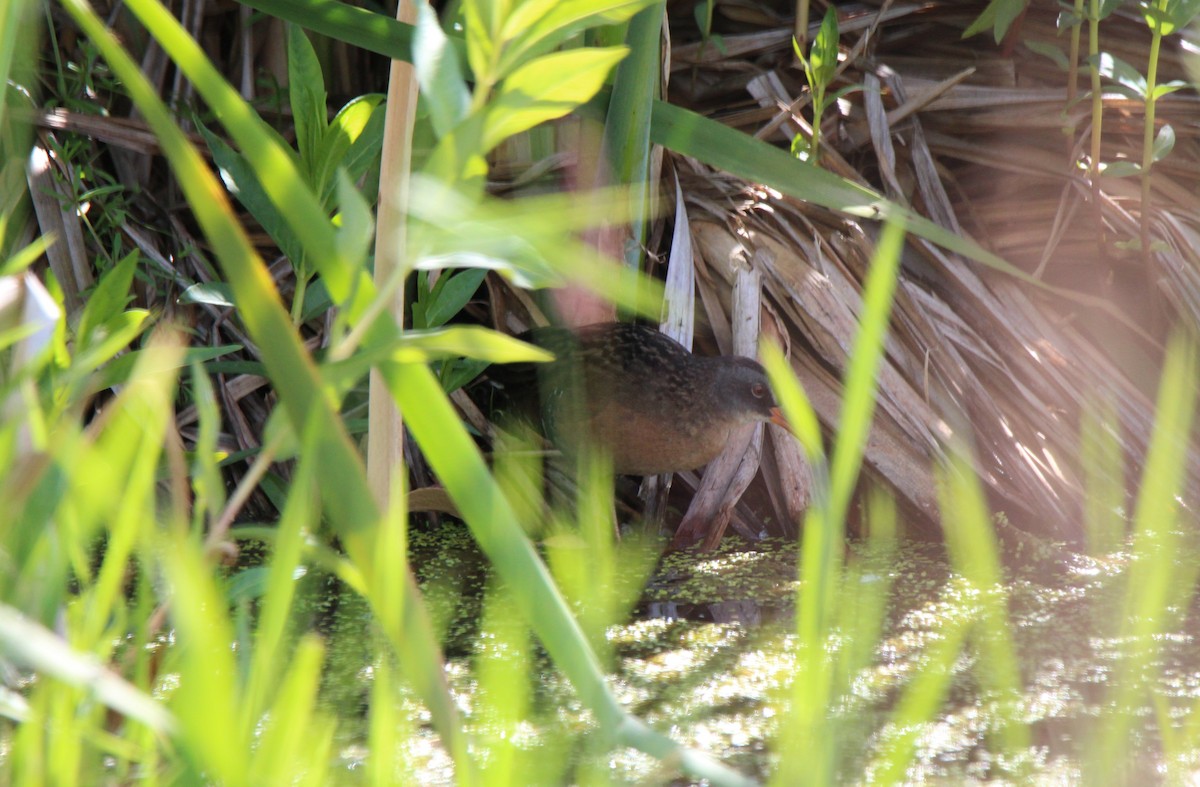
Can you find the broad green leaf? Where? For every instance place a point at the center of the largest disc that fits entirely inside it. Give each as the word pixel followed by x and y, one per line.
pixel 1120 169
pixel 1159 21
pixel 306 93
pixel 727 149
pixel 351 142
pixel 523 14
pixel 457 159
pixel 1067 19
pixel 436 63
pixel 1184 12
pixel 522 265
pixel 534 29
pixel 482 20
pixel 547 88
pixel 316 300
pixel 1164 142
pixel 1117 70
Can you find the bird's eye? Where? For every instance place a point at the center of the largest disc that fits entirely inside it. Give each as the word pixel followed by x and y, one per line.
pixel 758 390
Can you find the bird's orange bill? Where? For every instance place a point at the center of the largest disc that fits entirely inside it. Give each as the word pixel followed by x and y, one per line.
pixel 778 419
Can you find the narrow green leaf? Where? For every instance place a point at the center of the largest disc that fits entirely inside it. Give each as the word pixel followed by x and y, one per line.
pixel 34 646
pixel 242 181
pixel 341 475
pixel 214 293
pixel 824 57
pixel 306 92
pixel 26 256
pixel 109 297
pixel 119 370
pixel 110 338
pixel 795 405
pixel 703 13
pixel 1165 88
pixel 1050 51
pixel 628 150
pixel 355 232
pixel 453 294
pixel 865 358
pixel 367 29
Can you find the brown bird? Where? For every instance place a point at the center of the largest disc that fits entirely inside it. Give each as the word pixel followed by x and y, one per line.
pixel 651 404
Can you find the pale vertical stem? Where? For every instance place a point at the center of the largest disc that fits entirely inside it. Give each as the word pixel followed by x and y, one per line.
pixel 385 427
pixel 801 31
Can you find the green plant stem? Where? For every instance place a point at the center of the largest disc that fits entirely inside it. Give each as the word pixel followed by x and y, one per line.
pixel 1073 78
pixel 1148 136
pixel 1097 119
pixel 1097 94
pixel 298 296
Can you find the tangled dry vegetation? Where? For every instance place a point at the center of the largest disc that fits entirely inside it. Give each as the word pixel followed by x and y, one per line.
pixel 977 136
pixel 974 136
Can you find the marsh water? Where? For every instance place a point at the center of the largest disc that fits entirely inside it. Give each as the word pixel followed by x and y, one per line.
pixel 709 650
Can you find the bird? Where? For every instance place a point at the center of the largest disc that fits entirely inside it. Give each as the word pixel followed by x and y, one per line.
pixel 652 405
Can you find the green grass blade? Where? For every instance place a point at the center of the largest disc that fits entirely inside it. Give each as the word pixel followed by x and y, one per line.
pixel 460 467
pixel 358 26
pixel 349 286
pixel 1156 578
pixel 343 478
pixel 31 644
pixel 858 407
pixel 627 123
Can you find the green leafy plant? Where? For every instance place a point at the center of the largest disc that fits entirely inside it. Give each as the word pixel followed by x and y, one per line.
pixel 999 16
pixel 1163 17
pixel 348 143
pixel 820 69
